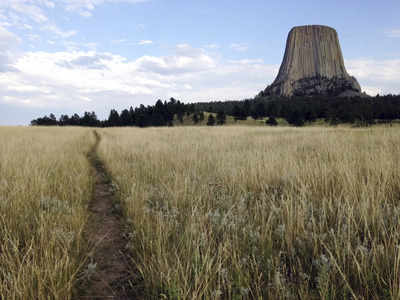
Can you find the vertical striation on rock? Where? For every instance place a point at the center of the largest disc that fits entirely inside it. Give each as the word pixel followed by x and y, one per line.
pixel 313 65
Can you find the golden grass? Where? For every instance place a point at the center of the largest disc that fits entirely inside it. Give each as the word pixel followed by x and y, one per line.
pixel 230 121
pixel 257 212
pixel 45 184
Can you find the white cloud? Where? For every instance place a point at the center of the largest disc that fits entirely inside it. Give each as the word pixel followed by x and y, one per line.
pixel 85 7
pixel 187 59
pixel 60 33
pixel 8 39
pixel 85 13
pixel 145 42
pixel 18 12
pixel 27 26
pixel 239 47
pixel 376 76
pixel 33 37
pixel 66 79
pixel 247 61
pixel 212 46
pixel 394 33
pixel 21 13
pixel 5 24
pixel 372 90
pixel 90 60
pixel 81 80
pixel 87 99
pixel 8 49
pixel 47 3
pixel 25 8
pixel 72 46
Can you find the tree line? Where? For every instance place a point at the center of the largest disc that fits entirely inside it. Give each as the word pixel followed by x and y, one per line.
pixel 160 114
pixel 297 111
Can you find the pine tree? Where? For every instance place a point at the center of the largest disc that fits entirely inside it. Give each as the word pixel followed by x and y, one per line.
pixel 295 118
pixel 211 120
pixel 114 119
pixel 201 116
pixel 53 120
pixel 195 118
pixel 132 116
pixel 258 111
pixel 236 112
pixel 180 117
pixel 64 120
pixel 75 120
pixel 221 118
pixel 125 118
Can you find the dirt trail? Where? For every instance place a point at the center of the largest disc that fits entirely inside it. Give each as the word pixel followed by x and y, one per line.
pixel 108 272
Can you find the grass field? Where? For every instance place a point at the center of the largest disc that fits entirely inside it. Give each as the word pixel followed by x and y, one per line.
pixel 230 121
pixel 235 212
pixel 251 212
pixel 45 184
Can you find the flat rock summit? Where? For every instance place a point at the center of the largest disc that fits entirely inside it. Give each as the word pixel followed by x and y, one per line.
pixel 313 65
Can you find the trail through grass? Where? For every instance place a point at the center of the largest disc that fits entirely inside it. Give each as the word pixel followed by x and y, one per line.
pixel 108 272
pixel 211 213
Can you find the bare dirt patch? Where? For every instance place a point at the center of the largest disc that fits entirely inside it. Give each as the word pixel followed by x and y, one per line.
pixel 108 272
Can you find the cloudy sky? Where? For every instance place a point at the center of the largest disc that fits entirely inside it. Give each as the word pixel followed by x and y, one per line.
pixel 66 56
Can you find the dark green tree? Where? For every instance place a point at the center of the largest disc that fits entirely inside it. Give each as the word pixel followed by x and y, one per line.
pixel 132 116
pixel 258 111
pixel 75 120
pixel 114 119
pixel 271 121
pixel 221 118
pixel 64 120
pixel 238 113
pixel 211 120
pixel 246 108
pixel 201 116
pixel 180 117
pixel 125 118
pixel 52 120
pixel 295 118
pixel 195 118
pixel 89 119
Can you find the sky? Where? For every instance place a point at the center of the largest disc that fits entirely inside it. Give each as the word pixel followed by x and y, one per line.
pixel 67 56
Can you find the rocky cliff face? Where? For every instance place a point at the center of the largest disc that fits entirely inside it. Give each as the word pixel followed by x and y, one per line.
pixel 313 65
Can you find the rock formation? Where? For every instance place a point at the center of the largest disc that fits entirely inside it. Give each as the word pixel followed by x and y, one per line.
pixel 313 65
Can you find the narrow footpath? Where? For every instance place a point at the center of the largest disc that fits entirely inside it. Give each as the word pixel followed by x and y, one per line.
pixel 108 271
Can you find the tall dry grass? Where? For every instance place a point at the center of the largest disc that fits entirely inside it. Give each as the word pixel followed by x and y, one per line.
pixel 240 212
pixel 45 184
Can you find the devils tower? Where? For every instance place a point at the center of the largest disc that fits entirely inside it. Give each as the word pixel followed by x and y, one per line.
pixel 313 65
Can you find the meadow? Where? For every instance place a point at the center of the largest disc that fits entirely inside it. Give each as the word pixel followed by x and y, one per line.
pixel 260 213
pixel 235 212
pixel 45 184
